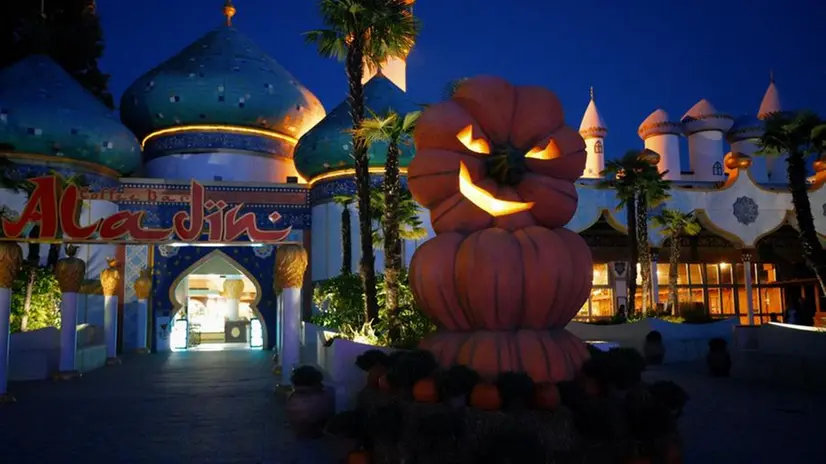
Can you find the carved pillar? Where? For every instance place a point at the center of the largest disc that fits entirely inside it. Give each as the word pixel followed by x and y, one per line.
pixel 69 272
pixel 11 258
pixel 109 280
pixel 290 265
pixel 655 279
pixel 143 288
pixel 233 289
pixel 747 268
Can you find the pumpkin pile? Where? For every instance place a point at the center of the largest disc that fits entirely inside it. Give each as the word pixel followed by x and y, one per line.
pixel 496 166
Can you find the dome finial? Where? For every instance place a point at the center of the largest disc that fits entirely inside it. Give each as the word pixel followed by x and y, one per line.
pixel 592 93
pixel 229 11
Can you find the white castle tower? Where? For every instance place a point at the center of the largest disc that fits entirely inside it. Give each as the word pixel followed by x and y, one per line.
pixel 593 130
pixel 704 126
pixel 775 167
pixel 662 135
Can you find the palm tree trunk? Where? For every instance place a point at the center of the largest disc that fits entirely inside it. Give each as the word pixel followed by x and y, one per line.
pixel 673 268
pixel 346 241
pixel 812 250
pixel 644 252
pixel 631 220
pixel 355 72
pixel 392 242
pixel 27 300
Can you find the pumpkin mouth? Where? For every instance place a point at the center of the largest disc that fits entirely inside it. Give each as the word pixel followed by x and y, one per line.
pixel 484 199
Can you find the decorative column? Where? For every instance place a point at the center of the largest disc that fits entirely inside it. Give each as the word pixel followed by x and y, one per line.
pixel 747 268
pixel 11 258
pixel 69 272
pixel 290 265
pixel 109 280
pixel 655 279
pixel 143 288
pixel 233 289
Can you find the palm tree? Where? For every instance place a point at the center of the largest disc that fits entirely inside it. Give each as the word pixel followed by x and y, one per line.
pixel 799 135
pixel 359 32
pixel 637 185
pixel 394 130
pixel 346 234
pixel 674 224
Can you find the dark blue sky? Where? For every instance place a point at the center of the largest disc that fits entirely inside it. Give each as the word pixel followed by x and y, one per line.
pixel 638 54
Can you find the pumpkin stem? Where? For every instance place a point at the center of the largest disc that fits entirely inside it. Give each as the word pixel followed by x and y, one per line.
pixel 506 164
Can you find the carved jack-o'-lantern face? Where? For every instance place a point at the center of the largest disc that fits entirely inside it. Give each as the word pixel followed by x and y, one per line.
pixel 496 155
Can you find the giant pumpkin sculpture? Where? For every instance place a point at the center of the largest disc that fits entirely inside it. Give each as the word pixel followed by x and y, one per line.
pixel 496 166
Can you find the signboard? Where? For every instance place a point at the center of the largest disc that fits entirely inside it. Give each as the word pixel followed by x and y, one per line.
pixel 56 210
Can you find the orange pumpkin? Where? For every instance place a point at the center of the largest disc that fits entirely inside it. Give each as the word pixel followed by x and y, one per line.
pixel 546 356
pixel 374 374
pixel 486 396
pixel 359 457
pixel 533 278
pixel 508 144
pixel 546 396
pixel 426 391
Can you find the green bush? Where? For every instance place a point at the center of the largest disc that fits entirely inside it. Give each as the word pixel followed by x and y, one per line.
pixel 45 304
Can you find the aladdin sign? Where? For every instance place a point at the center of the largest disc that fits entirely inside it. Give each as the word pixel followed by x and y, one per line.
pixel 56 211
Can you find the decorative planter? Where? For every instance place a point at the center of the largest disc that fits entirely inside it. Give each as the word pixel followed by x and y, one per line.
pixel 653 349
pixel 11 257
pixel 308 410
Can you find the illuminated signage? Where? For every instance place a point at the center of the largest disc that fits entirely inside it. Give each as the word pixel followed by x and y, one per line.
pixel 56 211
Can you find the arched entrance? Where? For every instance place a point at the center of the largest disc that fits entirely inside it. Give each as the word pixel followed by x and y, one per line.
pixel 215 306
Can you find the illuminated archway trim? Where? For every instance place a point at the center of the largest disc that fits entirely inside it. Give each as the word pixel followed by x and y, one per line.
pixel 177 305
pixel 219 128
pixel 348 173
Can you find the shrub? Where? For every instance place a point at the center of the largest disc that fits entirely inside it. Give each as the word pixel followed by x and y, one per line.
pixel 515 389
pixel 458 381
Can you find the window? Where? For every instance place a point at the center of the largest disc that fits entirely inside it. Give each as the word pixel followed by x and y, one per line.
pixel 601 303
pixel 598 147
pixel 717 169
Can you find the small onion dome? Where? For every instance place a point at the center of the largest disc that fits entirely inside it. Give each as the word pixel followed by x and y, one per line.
pixel 44 111
pixel 658 123
pixel 771 101
pixel 592 125
pixel 222 79
pixel 704 117
pixel 735 160
pixel 327 146
pixel 744 128
pixel 650 156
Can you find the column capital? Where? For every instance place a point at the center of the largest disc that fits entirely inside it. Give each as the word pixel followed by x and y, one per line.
pixel 233 288
pixel 290 265
pixel 110 277
pixel 747 254
pixel 69 272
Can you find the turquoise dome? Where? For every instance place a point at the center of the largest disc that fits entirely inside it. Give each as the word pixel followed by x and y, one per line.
pixel 223 78
pixel 44 111
pixel 327 146
pixel 744 128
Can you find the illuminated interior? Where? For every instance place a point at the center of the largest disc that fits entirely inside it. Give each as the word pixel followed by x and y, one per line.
pixel 217 315
pixel 601 303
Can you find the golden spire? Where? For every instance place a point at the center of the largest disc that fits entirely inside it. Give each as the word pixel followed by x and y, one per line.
pixel 229 11
pixel 592 93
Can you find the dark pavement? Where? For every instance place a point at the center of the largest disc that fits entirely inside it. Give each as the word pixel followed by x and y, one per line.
pixel 194 407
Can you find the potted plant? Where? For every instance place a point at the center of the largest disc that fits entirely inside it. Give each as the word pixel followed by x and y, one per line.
pixel 654 350
pixel 718 358
pixel 309 405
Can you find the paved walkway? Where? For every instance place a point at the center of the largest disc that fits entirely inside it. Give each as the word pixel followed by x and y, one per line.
pixel 728 421
pixel 207 407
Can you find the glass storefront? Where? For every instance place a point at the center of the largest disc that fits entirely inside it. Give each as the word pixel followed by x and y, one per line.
pixel 601 303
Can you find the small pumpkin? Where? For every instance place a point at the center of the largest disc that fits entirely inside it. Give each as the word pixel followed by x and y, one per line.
pixel 374 374
pixel 508 144
pixel 533 278
pixel 359 457
pixel 486 396
pixel 546 356
pixel 546 396
pixel 426 390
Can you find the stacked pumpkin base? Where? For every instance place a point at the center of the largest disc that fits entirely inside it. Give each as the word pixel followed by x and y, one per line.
pixel 547 356
pixel 439 433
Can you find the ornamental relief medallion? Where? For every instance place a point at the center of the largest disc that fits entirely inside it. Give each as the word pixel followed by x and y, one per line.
pixel 746 211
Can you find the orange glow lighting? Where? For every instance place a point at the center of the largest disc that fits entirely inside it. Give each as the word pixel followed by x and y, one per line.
pixel 483 199
pixel 220 128
pixel 479 146
pixel 550 152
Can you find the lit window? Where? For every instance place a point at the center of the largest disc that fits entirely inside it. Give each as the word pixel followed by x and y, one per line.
pixel 598 147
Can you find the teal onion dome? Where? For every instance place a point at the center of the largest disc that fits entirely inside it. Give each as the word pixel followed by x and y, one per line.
pixel 327 147
pixel 745 127
pixel 222 79
pixel 44 111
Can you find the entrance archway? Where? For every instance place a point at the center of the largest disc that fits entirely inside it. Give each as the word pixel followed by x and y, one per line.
pixel 211 311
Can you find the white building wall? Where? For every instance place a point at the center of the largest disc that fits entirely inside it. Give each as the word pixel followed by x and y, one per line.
pixel 229 167
pixel 705 149
pixel 668 147
pixel 595 163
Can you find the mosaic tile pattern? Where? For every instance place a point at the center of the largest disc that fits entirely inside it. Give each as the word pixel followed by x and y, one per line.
pixel 27 169
pixel 327 146
pixel 44 111
pixel 324 191
pixel 137 258
pixel 189 142
pixel 221 78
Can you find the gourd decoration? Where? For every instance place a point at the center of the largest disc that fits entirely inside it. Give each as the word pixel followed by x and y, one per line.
pixel 495 165
pixel 426 391
pixel 486 396
pixel 546 396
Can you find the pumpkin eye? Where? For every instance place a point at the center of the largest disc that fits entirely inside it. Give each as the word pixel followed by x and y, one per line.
pixel 479 145
pixel 550 151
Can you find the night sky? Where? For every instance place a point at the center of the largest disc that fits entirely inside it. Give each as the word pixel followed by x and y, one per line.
pixel 639 55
